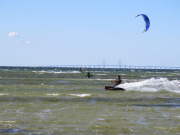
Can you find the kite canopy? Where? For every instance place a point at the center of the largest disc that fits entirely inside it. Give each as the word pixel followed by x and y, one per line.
pixel 147 22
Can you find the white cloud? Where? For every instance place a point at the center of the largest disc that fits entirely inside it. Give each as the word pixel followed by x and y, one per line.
pixel 32 38
pixel 14 34
pixel 16 42
pixel 27 42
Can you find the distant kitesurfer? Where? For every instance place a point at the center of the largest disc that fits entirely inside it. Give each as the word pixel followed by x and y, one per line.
pixel 118 80
pixel 80 69
pixel 88 74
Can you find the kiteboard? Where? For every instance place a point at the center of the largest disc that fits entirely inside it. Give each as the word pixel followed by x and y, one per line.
pixel 90 75
pixel 112 88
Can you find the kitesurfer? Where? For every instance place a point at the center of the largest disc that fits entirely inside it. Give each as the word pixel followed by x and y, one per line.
pixel 88 74
pixel 118 80
pixel 80 69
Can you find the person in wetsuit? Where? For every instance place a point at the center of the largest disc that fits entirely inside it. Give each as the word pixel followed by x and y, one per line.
pixel 118 80
pixel 88 74
pixel 80 69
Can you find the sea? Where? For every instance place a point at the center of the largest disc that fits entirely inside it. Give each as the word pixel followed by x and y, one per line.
pixel 61 100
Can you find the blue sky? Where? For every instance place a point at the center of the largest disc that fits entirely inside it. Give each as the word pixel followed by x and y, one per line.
pixel 84 32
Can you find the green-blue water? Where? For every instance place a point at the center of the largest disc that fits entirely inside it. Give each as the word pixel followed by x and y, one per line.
pixel 65 101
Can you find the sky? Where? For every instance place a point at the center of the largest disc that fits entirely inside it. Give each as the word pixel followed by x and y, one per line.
pixel 86 32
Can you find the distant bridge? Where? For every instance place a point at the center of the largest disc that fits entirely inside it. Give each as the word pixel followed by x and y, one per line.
pixel 116 66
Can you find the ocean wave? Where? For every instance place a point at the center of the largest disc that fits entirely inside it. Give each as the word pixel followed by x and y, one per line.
pixel 4 94
pixel 80 95
pixel 56 72
pixel 153 85
pixel 53 94
pixel 105 79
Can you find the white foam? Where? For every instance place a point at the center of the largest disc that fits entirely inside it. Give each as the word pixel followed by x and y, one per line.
pixel 57 72
pixel 72 72
pixel 7 121
pixel 153 85
pixel 160 72
pixel 105 79
pixel 80 95
pixel 3 94
pixel 53 94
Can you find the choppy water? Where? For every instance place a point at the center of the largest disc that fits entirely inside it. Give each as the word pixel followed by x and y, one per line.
pixel 64 101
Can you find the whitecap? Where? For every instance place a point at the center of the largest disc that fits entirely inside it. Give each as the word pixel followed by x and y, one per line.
pixel 53 94
pixel 80 95
pixel 7 121
pixel 72 72
pixel 57 72
pixel 3 94
pixel 105 79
